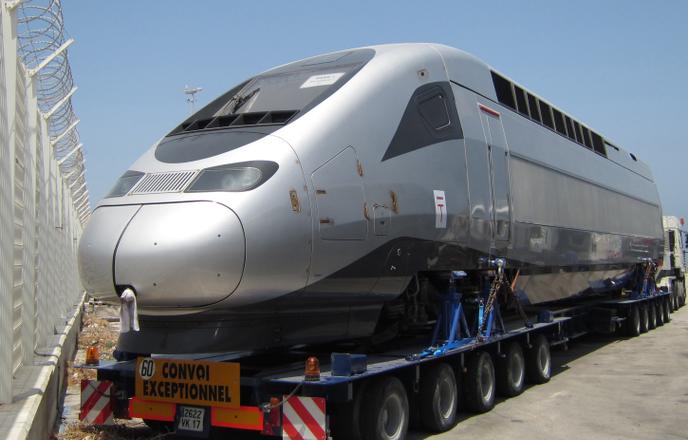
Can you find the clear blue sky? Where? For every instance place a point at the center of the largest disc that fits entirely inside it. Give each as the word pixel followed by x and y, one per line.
pixel 620 66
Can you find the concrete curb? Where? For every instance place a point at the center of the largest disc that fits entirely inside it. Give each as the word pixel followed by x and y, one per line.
pixel 40 396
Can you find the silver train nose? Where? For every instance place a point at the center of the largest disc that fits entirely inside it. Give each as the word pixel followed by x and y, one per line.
pixel 173 254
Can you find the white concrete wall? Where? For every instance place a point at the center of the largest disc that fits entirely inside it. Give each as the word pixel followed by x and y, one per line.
pixel 39 224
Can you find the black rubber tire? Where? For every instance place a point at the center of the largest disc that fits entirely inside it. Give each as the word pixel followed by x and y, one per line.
pixel 438 397
pixel 538 360
pixel 652 315
pixel 479 383
pixel 345 417
pixel 511 371
pixel 633 326
pixel 384 410
pixel 680 293
pixel 644 319
pixel 659 308
pixel 666 310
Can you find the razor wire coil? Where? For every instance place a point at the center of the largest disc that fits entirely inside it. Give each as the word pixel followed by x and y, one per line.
pixel 40 33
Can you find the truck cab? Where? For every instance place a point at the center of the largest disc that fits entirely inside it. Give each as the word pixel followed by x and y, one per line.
pixel 671 275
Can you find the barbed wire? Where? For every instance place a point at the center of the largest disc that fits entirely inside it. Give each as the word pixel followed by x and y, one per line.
pixel 41 32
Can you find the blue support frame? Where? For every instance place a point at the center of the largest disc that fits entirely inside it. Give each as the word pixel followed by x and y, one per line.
pixel 451 329
pixel 648 288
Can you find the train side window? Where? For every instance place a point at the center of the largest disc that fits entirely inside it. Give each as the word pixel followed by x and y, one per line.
pixel 578 132
pixel 586 137
pixel 546 114
pixel 534 110
pixel 597 143
pixel 609 145
pixel 559 121
pixel 503 90
pixel 435 112
pixel 569 128
pixel 521 100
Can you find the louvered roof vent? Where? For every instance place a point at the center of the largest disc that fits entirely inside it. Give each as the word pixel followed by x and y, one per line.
pixel 279 117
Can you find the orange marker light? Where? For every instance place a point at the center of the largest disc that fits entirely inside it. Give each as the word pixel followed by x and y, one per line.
pixel 92 355
pixel 312 369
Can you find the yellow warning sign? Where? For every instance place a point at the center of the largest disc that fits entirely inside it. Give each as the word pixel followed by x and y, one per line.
pixel 184 381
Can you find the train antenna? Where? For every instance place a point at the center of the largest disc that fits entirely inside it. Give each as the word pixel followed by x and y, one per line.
pixel 191 96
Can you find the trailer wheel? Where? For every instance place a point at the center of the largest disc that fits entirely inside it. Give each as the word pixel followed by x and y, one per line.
pixel 539 361
pixel 633 324
pixel 674 302
pixel 644 319
pixel 666 310
pixel 511 371
pixel 680 293
pixel 385 410
pixel 480 383
pixel 438 398
pixel 651 316
pixel 659 308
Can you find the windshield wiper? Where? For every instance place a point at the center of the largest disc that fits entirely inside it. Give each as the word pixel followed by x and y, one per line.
pixel 241 100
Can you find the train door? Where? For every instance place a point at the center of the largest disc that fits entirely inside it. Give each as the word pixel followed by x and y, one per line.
pixel 498 151
pixel 340 198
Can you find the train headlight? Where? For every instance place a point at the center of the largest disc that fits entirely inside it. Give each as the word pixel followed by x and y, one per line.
pixel 234 178
pixel 125 183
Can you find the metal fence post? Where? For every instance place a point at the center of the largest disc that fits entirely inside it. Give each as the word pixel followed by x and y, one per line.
pixel 6 236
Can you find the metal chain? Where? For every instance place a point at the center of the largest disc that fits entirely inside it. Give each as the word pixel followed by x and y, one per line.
pixel 649 273
pixel 494 289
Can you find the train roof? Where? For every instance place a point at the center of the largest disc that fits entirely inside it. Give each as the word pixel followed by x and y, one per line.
pixel 471 72
pixel 490 90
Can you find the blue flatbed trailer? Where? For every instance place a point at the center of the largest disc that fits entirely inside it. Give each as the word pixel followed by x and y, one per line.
pixel 377 395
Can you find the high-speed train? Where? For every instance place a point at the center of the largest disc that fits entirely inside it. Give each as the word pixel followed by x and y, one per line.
pixel 316 200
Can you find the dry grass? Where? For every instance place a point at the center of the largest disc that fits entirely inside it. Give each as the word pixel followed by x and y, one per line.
pixel 77 374
pixel 98 331
pixel 115 432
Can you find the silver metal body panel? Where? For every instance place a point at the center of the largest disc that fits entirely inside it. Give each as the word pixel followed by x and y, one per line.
pixel 363 225
pixel 97 248
pixel 278 239
pixel 204 238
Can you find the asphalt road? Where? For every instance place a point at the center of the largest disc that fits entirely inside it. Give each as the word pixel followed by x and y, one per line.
pixel 602 388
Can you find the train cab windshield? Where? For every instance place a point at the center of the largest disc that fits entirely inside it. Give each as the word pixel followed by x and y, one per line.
pixel 283 91
pixel 260 106
pixel 280 95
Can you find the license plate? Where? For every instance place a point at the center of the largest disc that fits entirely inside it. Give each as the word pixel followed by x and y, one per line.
pixel 191 419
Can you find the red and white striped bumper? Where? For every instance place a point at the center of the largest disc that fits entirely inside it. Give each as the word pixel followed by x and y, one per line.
pixel 304 418
pixel 96 405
